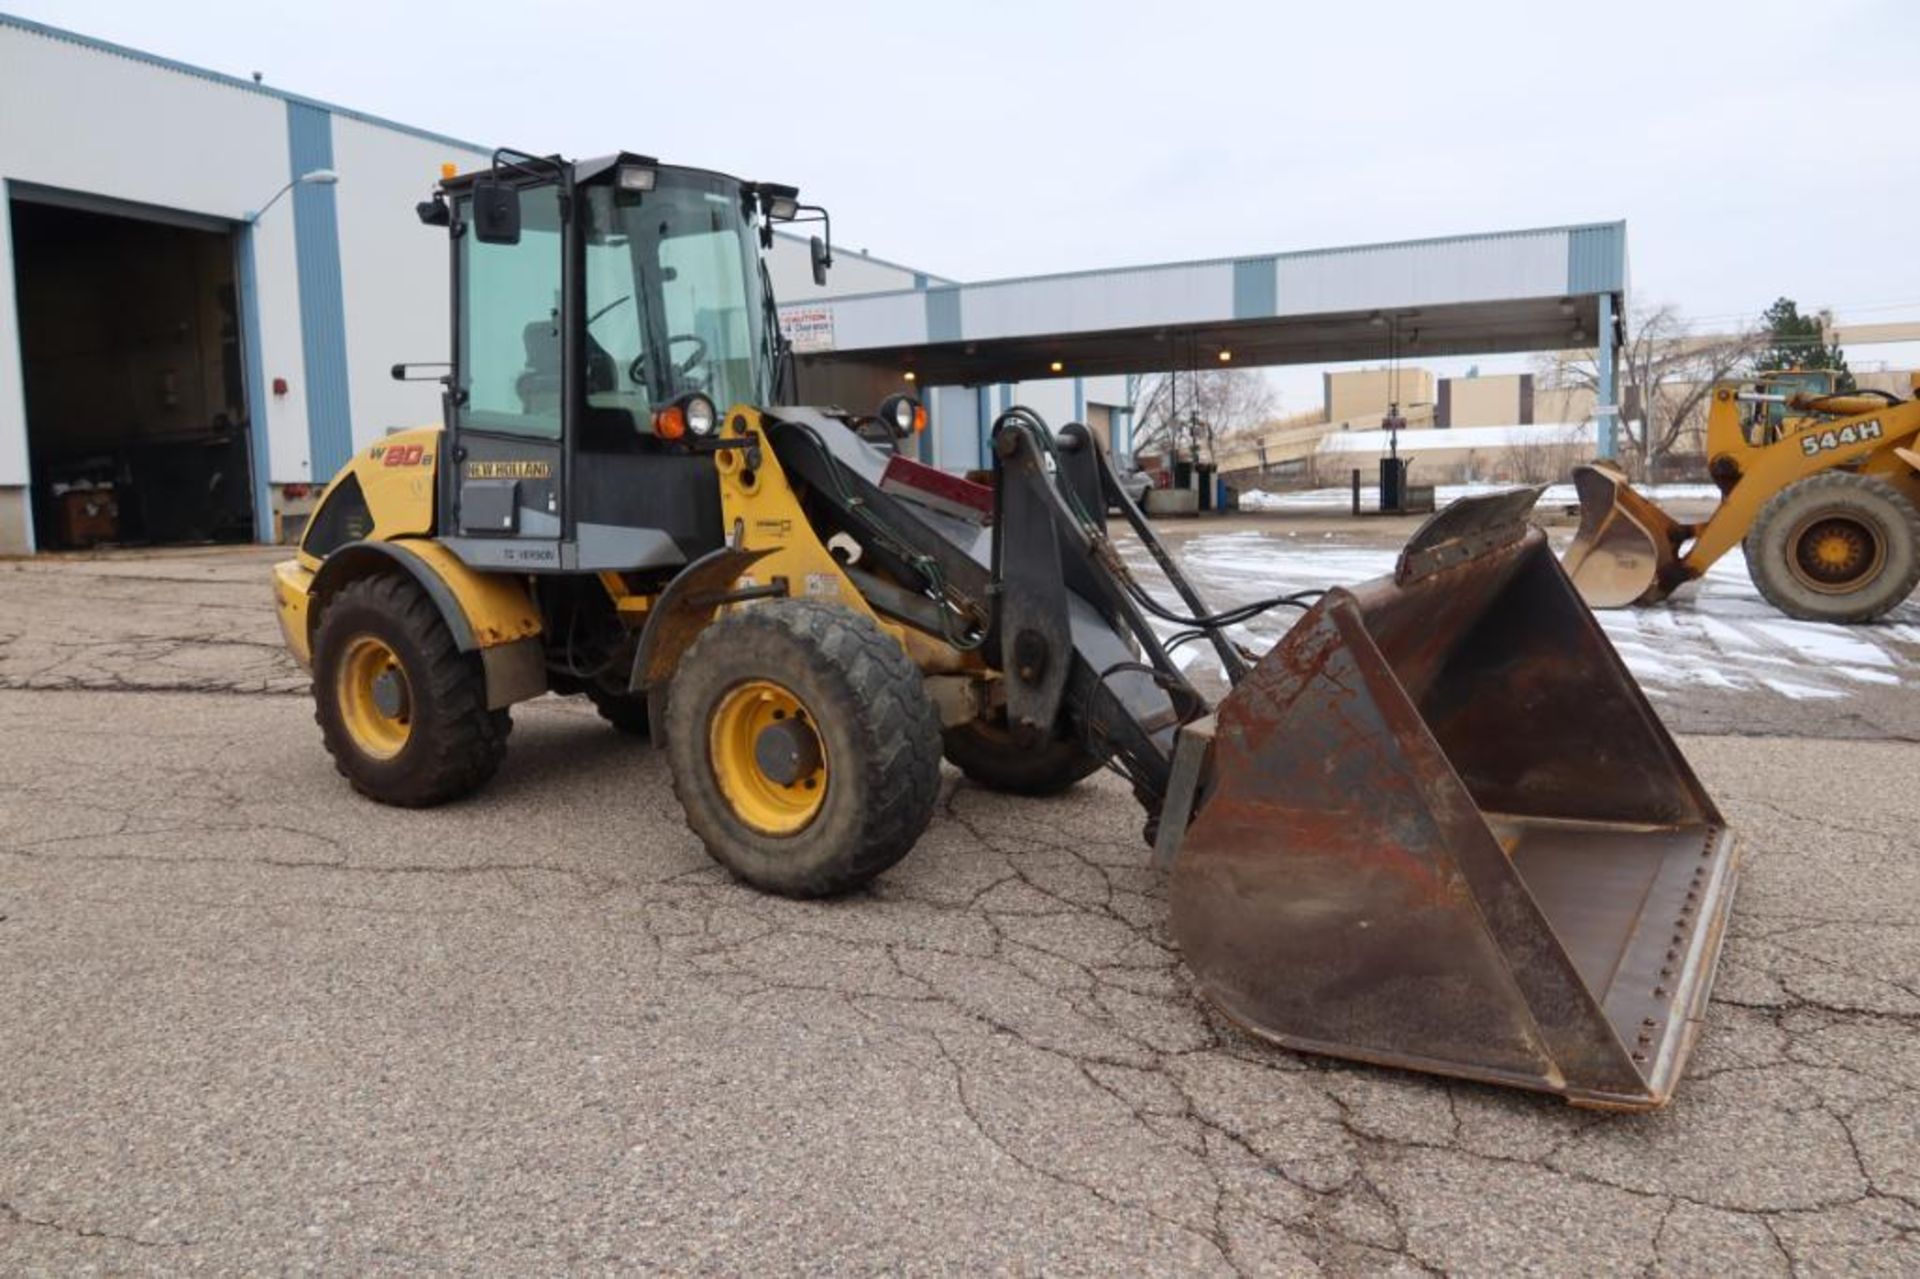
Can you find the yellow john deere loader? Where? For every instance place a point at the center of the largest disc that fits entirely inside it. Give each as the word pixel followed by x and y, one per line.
pixel 1437 826
pixel 1821 489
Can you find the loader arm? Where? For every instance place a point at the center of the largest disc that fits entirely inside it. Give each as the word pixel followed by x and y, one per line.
pixel 1040 583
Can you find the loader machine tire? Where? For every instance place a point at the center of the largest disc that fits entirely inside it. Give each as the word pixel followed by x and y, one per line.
pixel 1837 547
pixel 803 747
pixel 402 711
pixel 986 752
pixel 625 711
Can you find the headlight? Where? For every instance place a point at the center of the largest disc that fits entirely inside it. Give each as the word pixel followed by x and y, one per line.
pixel 701 415
pixel 903 415
pixel 634 177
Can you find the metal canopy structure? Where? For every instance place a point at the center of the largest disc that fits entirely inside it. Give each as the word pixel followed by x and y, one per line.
pixel 1549 288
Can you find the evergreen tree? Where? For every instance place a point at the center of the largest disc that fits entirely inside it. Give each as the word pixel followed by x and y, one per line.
pixel 1795 341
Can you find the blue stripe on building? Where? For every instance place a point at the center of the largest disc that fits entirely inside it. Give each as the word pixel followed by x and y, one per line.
pixel 323 308
pixel 985 401
pixel 1256 289
pixel 1597 258
pixel 943 314
pixel 246 279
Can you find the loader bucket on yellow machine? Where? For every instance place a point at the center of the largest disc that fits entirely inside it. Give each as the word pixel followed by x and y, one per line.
pixel 1444 830
pixel 1625 546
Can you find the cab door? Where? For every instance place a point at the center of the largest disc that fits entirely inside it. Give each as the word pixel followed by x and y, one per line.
pixel 502 495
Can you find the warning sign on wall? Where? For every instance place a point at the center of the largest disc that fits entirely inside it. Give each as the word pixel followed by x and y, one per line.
pixel 809 328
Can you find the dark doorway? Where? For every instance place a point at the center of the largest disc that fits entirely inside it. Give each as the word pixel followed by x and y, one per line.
pixel 135 379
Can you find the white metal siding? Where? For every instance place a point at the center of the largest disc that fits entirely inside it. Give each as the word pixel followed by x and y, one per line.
pixel 1106 300
pixel 1051 398
pixel 955 414
pixel 394 271
pixel 888 319
pixel 1481 269
pixel 14 464
pixel 84 120
pixel 1111 389
pixel 790 266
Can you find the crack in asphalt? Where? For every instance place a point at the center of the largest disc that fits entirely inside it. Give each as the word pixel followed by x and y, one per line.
pixel 10 1211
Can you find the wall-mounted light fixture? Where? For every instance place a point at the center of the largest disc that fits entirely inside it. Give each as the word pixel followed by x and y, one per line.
pixel 311 178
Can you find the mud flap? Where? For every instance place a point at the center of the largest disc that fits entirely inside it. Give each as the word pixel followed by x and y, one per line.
pixel 1626 548
pixel 1444 830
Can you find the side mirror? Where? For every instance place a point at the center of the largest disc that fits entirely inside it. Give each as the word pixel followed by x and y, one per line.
pixel 496 212
pixel 822 259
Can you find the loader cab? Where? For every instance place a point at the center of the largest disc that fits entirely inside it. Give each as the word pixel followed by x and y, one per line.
pixel 606 314
pixel 1770 415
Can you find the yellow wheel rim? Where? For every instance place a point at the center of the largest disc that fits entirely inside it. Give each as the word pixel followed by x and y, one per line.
pixel 375 699
pixel 768 758
pixel 1835 553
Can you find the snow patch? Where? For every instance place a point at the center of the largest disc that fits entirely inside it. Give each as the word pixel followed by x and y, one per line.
pixel 1718 633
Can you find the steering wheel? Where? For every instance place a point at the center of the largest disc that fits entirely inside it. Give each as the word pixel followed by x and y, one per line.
pixel 636 371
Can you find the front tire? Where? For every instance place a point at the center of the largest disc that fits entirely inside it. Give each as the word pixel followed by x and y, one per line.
pixel 1836 547
pixel 401 709
pixel 803 746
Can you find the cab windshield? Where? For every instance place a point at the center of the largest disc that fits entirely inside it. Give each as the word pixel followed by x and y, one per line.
pixel 1770 416
pixel 674 298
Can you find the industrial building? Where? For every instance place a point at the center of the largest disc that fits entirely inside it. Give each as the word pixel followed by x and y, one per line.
pixel 193 336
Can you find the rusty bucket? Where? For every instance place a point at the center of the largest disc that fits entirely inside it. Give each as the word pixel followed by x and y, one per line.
pixel 1626 547
pixel 1442 829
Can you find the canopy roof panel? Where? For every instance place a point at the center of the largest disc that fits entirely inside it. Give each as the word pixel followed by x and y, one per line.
pixel 1460 295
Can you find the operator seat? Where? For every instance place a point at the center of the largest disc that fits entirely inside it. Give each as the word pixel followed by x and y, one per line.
pixel 603 429
pixel 540 385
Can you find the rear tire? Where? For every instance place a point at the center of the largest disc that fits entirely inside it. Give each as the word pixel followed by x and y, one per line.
pixel 796 691
pixel 402 710
pixel 1837 547
pixel 985 750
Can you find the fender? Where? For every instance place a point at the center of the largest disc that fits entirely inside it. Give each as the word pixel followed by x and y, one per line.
pixel 491 614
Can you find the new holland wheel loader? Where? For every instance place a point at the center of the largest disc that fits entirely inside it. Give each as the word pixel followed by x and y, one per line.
pixel 1437 827
pixel 1822 490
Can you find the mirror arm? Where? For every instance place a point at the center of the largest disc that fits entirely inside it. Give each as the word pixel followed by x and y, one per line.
pixel 826 225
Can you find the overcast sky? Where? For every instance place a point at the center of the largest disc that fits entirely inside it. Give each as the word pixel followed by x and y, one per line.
pixel 1755 149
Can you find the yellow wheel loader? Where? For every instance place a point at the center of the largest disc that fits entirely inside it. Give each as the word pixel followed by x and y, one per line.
pixel 1437 827
pixel 1822 490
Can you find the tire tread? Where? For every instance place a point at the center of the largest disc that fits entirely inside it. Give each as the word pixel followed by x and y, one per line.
pixel 896 724
pixel 465 740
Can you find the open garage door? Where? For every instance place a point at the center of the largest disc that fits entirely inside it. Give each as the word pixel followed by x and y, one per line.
pixel 135 376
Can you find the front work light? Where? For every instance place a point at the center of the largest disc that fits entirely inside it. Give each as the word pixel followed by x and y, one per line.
pixel 903 415
pixel 700 414
pixel 637 177
pixel 780 203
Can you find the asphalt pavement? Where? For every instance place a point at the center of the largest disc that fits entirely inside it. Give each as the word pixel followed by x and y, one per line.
pixel 249 1021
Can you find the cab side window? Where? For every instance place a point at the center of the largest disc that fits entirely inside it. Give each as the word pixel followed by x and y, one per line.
pixel 510 325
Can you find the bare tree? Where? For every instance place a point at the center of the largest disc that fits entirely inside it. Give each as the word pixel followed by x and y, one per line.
pixel 1665 379
pixel 1539 458
pixel 1216 405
